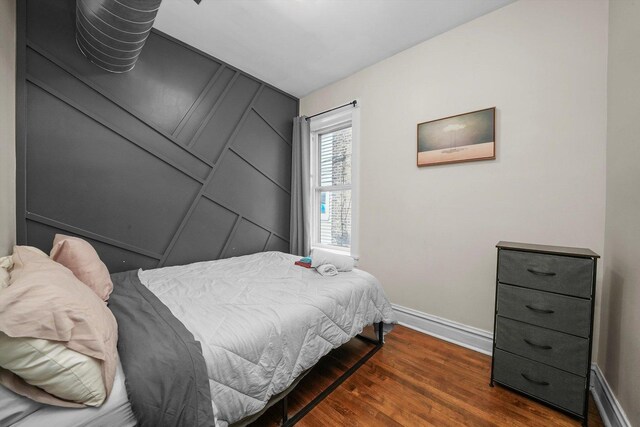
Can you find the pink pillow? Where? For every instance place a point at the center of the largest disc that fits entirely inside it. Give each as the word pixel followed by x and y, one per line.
pixel 79 256
pixel 45 300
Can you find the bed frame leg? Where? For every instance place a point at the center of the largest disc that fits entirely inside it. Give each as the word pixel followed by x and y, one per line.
pixel 285 409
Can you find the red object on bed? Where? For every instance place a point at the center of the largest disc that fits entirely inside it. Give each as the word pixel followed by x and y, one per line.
pixel 303 264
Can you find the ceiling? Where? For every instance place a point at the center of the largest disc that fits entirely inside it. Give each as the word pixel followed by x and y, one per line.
pixel 302 45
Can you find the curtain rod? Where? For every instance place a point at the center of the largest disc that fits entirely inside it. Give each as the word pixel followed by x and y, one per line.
pixel 353 103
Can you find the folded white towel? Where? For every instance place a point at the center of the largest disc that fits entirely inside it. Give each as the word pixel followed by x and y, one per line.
pixel 341 262
pixel 327 270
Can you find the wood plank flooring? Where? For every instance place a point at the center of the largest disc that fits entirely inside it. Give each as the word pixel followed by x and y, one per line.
pixel 415 380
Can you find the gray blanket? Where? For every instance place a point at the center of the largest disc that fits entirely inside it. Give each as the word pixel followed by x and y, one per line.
pixel 166 375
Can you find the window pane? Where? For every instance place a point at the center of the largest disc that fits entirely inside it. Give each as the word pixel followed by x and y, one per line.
pixel 335 157
pixel 335 218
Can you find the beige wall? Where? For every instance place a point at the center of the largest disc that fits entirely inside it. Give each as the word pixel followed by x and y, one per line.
pixel 7 125
pixel 429 233
pixel 619 356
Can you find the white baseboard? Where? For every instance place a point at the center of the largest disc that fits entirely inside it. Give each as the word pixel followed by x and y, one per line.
pixel 448 330
pixel 610 410
pixel 482 341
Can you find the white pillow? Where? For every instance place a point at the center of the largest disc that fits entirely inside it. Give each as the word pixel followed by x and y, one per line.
pixel 6 263
pixel 54 368
pixel 321 257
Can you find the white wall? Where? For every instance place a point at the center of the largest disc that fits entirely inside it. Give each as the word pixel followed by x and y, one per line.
pixel 619 355
pixel 429 234
pixel 7 125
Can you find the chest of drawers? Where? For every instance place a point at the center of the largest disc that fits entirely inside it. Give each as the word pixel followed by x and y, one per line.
pixel 544 323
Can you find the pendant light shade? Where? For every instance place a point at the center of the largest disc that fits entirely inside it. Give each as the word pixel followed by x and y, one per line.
pixel 112 33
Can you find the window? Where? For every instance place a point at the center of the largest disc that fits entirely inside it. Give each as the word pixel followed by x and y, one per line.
pixel 332 173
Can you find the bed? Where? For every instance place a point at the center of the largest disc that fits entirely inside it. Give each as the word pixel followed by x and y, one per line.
pixel 215 343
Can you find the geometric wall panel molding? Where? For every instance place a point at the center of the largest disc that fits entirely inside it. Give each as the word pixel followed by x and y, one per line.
pixel 243 188
pixel 218 127
pixel 183 159
pixel 270 105
pixel 92 102
pixel 192 121
pixel 81 173
pixel 118 259
pixel 265 149
pixel 277 244
pixel 204 236
pixel 248 238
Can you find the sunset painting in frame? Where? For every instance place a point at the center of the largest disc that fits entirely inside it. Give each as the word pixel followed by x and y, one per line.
pixel 462 138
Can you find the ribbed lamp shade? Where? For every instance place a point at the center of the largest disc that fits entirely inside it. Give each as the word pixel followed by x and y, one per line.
pixel 112 33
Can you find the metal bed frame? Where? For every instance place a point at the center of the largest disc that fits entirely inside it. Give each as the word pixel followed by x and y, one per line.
pixel 377 343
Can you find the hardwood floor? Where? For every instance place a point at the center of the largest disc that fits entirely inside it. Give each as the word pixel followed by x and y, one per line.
pixel 415 380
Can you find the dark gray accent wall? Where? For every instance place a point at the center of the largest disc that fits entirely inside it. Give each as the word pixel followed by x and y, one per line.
pixel 182 159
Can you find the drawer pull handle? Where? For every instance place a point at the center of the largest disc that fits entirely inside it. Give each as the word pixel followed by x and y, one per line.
pixel 541 273
pixel 541 347
pixel 533 381
pixel 539 310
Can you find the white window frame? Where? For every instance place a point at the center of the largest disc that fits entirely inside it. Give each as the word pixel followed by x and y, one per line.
pixel 326 123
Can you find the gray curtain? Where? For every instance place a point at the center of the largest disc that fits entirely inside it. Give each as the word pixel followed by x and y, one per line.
pixel 300 229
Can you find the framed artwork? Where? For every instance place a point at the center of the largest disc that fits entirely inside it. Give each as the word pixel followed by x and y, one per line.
pixel 463 138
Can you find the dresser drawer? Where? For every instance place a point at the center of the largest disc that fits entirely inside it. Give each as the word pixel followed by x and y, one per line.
pixel 557 349
pixel 544 382
pixel 557 312
pixel 561 274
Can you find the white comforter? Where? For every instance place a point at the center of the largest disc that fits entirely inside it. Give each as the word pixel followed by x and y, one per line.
pixel 262 321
